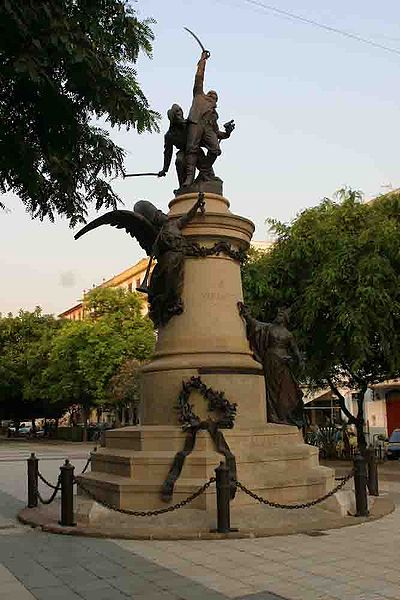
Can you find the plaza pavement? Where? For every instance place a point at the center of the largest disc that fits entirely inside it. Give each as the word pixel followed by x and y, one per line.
pixel 355 563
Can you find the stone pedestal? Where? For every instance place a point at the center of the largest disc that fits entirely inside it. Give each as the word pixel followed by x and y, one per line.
pixel 207 340
pixel 209 337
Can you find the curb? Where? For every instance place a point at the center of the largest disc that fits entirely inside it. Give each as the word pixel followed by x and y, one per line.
pixel 36 517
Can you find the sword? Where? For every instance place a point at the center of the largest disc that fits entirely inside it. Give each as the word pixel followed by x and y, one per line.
pixel 198 41
pixel 140 175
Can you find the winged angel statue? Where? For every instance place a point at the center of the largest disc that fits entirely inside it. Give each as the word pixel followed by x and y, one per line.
pixel 162 238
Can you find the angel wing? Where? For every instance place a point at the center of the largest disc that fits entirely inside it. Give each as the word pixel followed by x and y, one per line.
pixel 134 223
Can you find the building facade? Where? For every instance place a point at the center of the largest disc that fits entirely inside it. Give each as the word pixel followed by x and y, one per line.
pixel 130 279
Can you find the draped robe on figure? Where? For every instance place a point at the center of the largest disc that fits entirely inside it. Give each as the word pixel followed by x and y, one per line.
pixel 284 396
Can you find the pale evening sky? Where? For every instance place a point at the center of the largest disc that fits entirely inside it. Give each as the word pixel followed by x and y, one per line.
pixel 314 111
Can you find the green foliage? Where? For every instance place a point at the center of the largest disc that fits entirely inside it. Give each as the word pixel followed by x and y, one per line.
pixel 25 342
pixel 325 439
pixel 337 266
pixel 48 365
pixel 115 303
pixel 63 63
pixel 124 386
pixel 86 354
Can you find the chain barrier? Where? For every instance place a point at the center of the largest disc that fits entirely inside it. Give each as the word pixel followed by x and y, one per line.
pixel 89 460
pixel 50 485
pixel 148 513
pixel 54 494
pixel 56 488
pixel 295 506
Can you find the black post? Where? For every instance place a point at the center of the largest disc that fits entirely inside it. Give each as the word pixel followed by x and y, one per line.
pixel 67 494
pixel 33 469
pixel 360 485
pixel 373 485
pixel 222 475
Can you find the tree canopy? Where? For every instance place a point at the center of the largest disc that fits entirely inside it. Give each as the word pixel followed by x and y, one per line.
pixel 25 342
pixel 337 267
pixel 86 354
pixel 62 64
pixel 47 365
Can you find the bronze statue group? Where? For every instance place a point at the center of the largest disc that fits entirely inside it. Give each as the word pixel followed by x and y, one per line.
pixel 192 135
pixel 162 238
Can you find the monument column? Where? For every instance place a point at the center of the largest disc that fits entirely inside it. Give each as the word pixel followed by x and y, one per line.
pixel 208 339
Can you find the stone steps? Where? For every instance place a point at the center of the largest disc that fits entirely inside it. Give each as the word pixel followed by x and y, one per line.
pixel 142 494
pixel 271 460
pixel 199 464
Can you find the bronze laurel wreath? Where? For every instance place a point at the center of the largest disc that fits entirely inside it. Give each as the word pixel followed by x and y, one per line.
pixel 216 402
pixel 192 424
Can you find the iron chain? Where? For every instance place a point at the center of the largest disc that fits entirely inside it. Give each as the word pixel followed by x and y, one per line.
pixel 54 494
pixel 50 485
pixel 295 506
pixel 148 513
pixel 89 460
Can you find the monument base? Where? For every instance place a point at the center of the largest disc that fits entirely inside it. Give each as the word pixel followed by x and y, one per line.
pixel 209 186
pixel 271 460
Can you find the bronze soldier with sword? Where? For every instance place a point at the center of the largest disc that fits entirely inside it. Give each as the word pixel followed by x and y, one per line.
pixel 199 131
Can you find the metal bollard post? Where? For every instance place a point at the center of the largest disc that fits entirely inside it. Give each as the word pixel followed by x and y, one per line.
pixel 373 485
pixel 360 485
pixel 33 469
pixel 67 494
pixel 222 475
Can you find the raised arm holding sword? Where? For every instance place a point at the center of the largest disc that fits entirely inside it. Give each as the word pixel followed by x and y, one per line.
pixel 190 136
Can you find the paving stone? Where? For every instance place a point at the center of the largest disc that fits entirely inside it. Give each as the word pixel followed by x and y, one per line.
pixel 5 576
pixel 129 584
pixel 55 593
pixel 192 592
pixel 160 595
pixel 19 593
pixel 88 586
pixel 181 584
pixel 162 576
pixel 323 568
pixel 74 575
pixel 106 592
pixel 105 569
pixel 32 574
pixel 262 596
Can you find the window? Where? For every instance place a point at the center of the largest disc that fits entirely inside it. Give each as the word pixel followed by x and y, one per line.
pixel 137 283
pixel 130 286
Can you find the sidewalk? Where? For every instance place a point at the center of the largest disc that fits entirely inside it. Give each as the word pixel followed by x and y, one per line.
pixel 355 563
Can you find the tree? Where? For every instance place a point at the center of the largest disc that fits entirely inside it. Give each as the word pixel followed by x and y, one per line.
pixel 115 303
pixel 86 354
pixel 124 386
pixel 63 63
pixel 337 267
pixel 24 348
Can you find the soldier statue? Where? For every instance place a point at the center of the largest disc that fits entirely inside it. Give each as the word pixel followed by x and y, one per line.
pixel 200 130
pixel 203 130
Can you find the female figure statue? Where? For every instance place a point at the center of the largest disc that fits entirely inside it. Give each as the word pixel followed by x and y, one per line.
pixel 275 348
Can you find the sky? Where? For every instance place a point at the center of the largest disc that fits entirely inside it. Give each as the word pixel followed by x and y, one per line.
pixel 314 111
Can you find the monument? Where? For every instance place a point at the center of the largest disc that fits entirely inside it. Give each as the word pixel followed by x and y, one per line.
pixel 204 393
